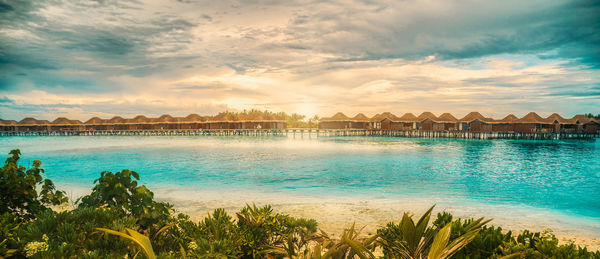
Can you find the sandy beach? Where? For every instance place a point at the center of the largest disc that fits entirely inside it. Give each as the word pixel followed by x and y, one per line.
pixel 335 213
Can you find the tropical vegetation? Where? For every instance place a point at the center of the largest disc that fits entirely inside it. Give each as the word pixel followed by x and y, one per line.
pixel 590 115
pixel 121 219
pixel 293 120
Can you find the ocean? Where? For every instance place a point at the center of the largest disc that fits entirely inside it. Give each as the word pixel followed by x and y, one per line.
pixel 558 179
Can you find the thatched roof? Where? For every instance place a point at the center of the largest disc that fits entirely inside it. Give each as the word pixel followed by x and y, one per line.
pixel 337 117
pixel 194 118
pixel 390 116
pixel 223 116
pixel 65 121
pixel 446 117
pixel 532 117
pixel 165 118
pixel 95 120
pixel 473 116
pixel 555 117
pixel 28 121
pixel 116 119
pixel 579 119
pixel 377 117
pixel 138 119
pixel 8 122
pixel 509 118
pixel 383 116
pixel 408 117
pixel 426 115
pixel 360 117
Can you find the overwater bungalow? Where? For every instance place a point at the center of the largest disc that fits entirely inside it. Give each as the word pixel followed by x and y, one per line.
pixel 139 122
pixel 446 122
pixel 8 125
pixel 592 126
pixel 390 121
pixel 337 121
pixel 64 124
pixel 408 121
pixel 582 124
pixel 386 121
pixel 193 121
pixel 31 124
pixel 426 121
pixel 116 123
pixel 95 123
pixel 361 121
pixel 475 122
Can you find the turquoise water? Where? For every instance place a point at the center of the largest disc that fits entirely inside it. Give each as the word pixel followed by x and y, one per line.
pixel 562 176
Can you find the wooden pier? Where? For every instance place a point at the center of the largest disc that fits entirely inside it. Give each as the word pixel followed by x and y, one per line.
pixel 313 133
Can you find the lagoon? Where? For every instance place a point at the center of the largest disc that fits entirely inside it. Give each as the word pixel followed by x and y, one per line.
pixel 554 183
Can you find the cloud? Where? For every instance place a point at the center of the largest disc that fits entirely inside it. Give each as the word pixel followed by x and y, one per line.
pixel 6 100
pixel 105 44
pixel 5 8
pixel 104 109
pixel 309 56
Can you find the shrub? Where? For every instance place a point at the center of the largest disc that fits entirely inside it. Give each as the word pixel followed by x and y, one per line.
pixel 121 191
pixel 409 240
pixel 71 233
pixel 18 188
pixel 9 225
pixel 214 237
pixel 261 230
pixel 486 244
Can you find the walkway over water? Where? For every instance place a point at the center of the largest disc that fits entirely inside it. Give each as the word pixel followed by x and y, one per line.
pixel 313 132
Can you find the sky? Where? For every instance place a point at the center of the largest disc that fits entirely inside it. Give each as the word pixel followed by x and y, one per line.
pixel 103 58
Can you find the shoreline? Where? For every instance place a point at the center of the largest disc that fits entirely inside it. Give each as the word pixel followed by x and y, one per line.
pixel 336 213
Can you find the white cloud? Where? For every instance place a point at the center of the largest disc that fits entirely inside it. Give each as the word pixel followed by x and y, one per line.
pixel 300 56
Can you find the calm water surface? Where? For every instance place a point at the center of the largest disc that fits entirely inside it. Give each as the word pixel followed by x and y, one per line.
pixel 561 176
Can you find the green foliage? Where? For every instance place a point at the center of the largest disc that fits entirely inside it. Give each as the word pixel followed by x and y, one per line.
pixel 544 245
pixel 409 240
pixel 350 245
pixel 263 231
pixel 589 115
pixel 492 242
pixel 9 225
pixel 121 191
pixel 142 241
pixel 72 233
pixel 483 245
pixel 293 120
pixel 214 237
pixel 18 188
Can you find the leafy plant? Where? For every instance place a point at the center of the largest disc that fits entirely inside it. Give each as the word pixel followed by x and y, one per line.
pixel 485 244
pixel 264 232
pixel 121 191
pixel 71 233
pixel 9 225
pixel 18 188
pixel 214 237
pixel 410 240
pixel 349 245
pixel 142 241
